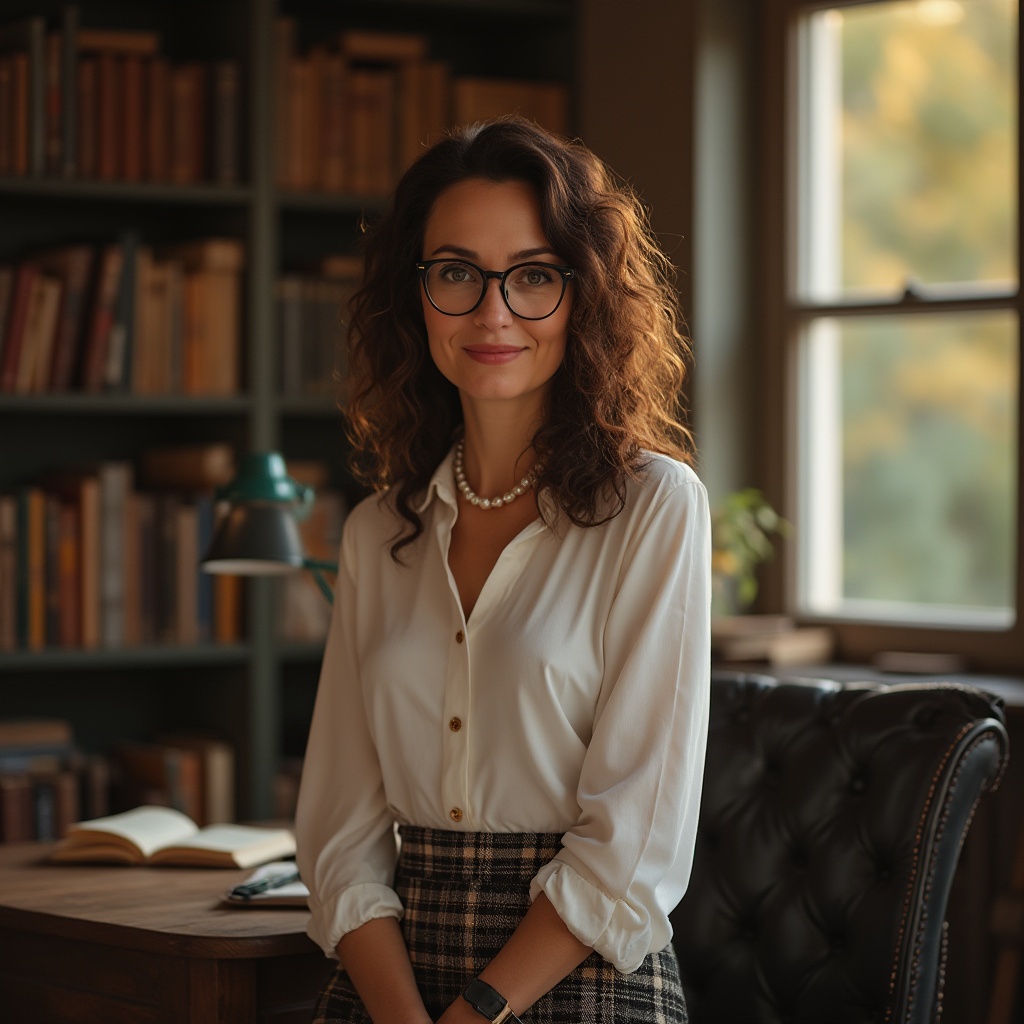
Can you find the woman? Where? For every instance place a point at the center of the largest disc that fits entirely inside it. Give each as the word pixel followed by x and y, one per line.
pixel 517 668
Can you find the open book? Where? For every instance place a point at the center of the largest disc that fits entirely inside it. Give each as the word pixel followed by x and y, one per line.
pixel 160 835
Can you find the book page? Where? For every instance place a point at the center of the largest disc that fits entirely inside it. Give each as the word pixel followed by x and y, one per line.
pixel 228 838
pixel 229 846
pixel 148 828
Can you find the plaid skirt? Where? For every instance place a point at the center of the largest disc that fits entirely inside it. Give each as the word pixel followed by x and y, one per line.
pixel 464 893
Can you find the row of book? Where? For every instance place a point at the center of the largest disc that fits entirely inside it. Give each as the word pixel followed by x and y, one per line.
pixel 351 113
pixel 123 317
pixel 311 313
pixel 106 104
pixel 89 560
pixel 47 782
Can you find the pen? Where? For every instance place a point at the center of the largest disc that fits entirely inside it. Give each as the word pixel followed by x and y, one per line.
pixel 274 881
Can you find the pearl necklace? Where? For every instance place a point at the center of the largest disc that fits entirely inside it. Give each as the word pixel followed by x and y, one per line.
pixel 485 503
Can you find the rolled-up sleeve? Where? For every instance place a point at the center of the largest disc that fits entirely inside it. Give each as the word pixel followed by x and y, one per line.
pixel 345 832
pixel 625 864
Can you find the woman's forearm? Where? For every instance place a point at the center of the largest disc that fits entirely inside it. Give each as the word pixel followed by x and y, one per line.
pixel 377 962
pixel 537 956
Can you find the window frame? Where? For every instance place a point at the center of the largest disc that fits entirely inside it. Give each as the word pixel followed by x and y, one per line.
pixel 786 314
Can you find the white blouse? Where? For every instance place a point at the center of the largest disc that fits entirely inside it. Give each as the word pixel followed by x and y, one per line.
pixel 573 700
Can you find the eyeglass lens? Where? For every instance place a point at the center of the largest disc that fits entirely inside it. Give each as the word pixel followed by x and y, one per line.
pixel 532 291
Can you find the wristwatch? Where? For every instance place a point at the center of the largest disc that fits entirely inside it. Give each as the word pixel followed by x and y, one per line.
pixel 489 1002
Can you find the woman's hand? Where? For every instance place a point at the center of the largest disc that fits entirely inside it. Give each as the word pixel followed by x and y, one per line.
pixel 377 963
pixel 538 955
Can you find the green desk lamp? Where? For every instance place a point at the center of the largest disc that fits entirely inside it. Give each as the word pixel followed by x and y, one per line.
pixel 259 536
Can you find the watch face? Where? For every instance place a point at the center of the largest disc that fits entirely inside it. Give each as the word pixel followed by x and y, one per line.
pixel 484 999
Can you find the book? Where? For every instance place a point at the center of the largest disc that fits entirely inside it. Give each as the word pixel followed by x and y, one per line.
pixel 480 99
pixel 69 23
pixel 194 467
pixel 373 47
pixel 188 123
pixel 161 835
pixel 773 639
pixel 21 302
pixel 8 572
pixel 17 817
pixel 158 119
pixel 54 95
pixel 371 93
pixel 101 317
pixel 110 90
pixel 31 568
pixel 35 732
pixel 82 492
pixel 33 370
pixel 87 75
pixel 73 265
pixel 154 773
pixel 133 119
pixel 227 117
pixel 116 482
pixel 217 774
pixel 120 41
pixel 25 40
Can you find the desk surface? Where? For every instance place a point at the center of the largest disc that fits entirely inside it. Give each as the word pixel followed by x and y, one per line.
pixel 158 909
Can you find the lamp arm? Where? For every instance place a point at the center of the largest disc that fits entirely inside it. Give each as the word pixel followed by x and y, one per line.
pixel 317 566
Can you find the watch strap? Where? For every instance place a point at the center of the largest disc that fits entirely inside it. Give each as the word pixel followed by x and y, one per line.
pixel 489 1002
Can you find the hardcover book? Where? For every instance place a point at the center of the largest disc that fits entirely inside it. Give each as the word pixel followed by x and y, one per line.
pixel 161 835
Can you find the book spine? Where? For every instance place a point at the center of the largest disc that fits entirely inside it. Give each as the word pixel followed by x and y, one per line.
pixel 69 90
pixel 54 113
pixel 110 123
pixel 115 486
pixel 87 123
pixel 8 572
pixel 37 96
pixel 134 123
pixel 6 114
pixel 226 122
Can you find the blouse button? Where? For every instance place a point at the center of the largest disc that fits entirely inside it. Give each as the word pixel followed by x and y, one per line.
pixel 459 637
pixel 455 724
pixel 455 814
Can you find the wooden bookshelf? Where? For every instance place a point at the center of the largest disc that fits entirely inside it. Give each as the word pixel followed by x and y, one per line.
pixel 255 692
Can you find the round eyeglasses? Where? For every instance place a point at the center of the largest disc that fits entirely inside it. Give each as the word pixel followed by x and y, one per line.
pixel 532 291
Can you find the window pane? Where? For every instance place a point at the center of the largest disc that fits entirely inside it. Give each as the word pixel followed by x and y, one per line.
pixel 908 166
pixel 909 467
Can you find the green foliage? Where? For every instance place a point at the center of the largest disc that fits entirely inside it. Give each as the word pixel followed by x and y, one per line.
pixel 743 529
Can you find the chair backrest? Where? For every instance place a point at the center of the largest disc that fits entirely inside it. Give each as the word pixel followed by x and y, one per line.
pixel 831 823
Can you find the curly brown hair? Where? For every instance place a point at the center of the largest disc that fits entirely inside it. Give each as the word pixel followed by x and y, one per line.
pixel 617 392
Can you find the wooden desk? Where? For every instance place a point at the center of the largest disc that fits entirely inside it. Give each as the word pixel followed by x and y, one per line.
pixel 146 946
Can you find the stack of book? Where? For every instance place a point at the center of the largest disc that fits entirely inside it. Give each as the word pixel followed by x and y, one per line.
pixel 47 782
pixel 77 102
pixel 44 781
pixel 774 640
pixel 87 559
pixel 123 317
pixel 352 113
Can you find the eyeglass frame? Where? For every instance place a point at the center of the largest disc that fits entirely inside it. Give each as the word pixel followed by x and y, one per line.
pixel 566 275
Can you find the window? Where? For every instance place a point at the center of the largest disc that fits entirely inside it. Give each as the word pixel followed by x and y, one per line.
pixel 900 308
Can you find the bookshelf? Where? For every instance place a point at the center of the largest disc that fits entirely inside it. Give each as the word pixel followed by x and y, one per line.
pixel 256 691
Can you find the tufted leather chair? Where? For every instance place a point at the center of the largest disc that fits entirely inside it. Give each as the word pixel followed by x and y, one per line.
pixel 830 828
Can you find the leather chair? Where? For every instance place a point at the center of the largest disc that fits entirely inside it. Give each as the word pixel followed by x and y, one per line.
pixel 831 823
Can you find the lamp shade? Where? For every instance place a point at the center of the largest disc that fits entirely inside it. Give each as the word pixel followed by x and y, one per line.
pixel 256 540
pixel 259 535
